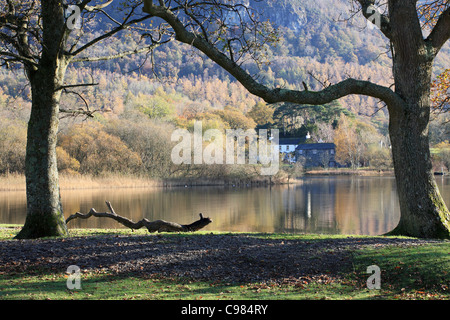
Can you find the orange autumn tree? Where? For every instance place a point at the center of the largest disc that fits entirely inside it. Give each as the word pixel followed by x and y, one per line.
pixel 440 92
pixel 429 12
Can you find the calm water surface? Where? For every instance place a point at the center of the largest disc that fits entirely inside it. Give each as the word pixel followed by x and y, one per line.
pixel 332 205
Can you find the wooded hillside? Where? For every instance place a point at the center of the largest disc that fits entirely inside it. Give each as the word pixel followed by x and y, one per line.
pixel 140 99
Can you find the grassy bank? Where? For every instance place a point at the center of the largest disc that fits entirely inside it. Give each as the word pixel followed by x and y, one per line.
pixel 416 272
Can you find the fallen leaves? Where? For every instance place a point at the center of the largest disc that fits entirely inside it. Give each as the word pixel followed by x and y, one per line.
pixel 266 263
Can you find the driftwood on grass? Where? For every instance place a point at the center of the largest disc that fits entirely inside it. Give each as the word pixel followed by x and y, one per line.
pixel 152 226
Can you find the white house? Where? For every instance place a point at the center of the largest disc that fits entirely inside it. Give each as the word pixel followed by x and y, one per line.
pixel 288 145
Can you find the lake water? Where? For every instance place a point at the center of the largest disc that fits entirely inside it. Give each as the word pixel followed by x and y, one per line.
pixel 332 205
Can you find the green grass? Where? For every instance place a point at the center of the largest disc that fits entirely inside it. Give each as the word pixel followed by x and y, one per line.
pixel 419 272
pixel 107 287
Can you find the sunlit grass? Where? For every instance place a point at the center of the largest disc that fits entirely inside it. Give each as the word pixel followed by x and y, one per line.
pixel 421 271
pixel 110 287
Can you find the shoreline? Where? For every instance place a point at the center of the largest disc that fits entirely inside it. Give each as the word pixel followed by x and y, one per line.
pixel 351 172
pixel 16 182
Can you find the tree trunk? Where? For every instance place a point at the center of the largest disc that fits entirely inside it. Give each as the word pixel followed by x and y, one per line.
pixel 44 210
pixel 423 210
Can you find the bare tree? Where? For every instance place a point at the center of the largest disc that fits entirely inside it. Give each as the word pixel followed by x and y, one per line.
pixel 44 37
pixel 423 211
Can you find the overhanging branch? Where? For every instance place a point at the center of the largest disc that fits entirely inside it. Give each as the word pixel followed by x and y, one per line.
pixel 441 31
pixel 270 95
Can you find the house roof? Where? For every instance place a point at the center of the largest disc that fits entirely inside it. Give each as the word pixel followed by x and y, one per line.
pixel 290 141
pixel 317 146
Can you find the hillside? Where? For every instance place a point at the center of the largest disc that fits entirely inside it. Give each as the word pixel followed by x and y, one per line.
pixel 316 42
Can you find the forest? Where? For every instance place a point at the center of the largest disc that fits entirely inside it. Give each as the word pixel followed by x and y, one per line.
pixel 138 100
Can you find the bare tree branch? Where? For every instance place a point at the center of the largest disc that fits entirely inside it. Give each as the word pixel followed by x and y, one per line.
pixel 19 57
pixel 98 7
pixel 78 112
pixel 87 112
pixel 107 35
pixel 120 55
pixel 76 85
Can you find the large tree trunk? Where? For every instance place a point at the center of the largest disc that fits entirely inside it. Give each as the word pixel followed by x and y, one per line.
pixel 423 211
pixel 44 210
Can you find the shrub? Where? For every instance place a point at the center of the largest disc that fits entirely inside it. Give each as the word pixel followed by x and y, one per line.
pixel 99 152
pixel 13 141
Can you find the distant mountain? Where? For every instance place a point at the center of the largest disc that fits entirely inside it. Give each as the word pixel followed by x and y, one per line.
pixel 316 36
pixel 146 95
pixel 317 43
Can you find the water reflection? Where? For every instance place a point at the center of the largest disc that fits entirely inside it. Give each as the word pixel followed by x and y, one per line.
pixel 357 205
pixel 333 205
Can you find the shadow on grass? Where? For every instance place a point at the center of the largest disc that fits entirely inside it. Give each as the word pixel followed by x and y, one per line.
pixel 179 266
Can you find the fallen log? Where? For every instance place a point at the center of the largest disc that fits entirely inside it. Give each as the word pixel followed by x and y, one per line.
pixel 152 226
